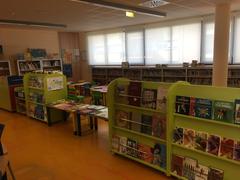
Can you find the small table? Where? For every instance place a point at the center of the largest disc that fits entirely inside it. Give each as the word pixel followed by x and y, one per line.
pixel 102 90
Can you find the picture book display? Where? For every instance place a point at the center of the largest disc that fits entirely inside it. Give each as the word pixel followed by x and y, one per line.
pixel 215 174
pixel 178 135
pixel 192 109
pixel 226 148
pixel 159 155
pixel 177 164
pixel 122 119
pixel 159 126
pixel 149 97
pixel 213 145
pixel 134 92
pixel 201 141
pixel 146 124
pixel 237 111
pixel 162 99
pixel 136 122
pixel 201 172
pixel 203 108
pixel 182 104
pixel 132 148
pixel 145 153
pixel 236 151
pixel 188 138
pixel 223 111
pixel 189 167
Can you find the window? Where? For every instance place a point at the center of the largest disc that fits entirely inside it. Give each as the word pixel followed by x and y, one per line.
pixel 96 50
pixel 236 52
pixel 208 42
pixel 157 42
pixel 135 49
pixel 186 42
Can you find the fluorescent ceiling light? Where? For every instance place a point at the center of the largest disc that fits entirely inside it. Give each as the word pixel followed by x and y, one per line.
pixel 130 14
pixel 122 7
pixel 154 3
pixel 29 23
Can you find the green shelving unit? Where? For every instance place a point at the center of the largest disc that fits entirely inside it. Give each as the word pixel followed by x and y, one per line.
pixel 42 89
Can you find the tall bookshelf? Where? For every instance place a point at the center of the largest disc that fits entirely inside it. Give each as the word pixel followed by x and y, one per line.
pixel 41 89
pixel 5 68
pixel 52 64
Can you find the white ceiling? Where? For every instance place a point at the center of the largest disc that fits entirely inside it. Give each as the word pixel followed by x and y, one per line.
pixel 83 17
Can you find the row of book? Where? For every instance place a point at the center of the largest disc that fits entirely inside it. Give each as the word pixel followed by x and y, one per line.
pixel 29 66
pixel 135 95
pixel 154 125
pixel 190 168
pixel 210 143
pixel 224 111
pixel 51 63
pixel 35 81
pixel 36 97
pixel 153 155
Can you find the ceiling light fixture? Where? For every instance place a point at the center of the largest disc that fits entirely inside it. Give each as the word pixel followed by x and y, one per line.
pixel 130 14
pixel 122 7
pixel 154 3
pixel 29 23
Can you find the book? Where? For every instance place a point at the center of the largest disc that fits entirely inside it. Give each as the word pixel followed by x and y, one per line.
pixel 178 135
pixel 134 93
pixel 215 174
pixel 159 155
pixel 189 167
pixel 159 126
pixel 236 151
pixel 136 122
pixel 145 153
pixel 237 111
pixel 182 105
pixel 188 138
pixel 192 108
pixel 213 145
pixel 162 99
pixel 122 93
pixel 123 144
pixel 177 164
pixel 226 148
pixel 223 111
pixel 201 172
pixel 122 119
pixel 132 148
pixel 149 98
pixel 115 143
pixel 203 108
pixel 146 126
pixel 201 141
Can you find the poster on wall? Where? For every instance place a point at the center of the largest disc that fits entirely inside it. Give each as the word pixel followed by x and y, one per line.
pixel 54 83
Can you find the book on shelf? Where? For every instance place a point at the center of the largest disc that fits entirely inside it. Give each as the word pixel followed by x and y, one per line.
pixel 146 126
pixel 123 144
pixel 136 122
pixel 237 111
pixel 223 111
pixel 134 92
pixel 236 151
pixel 178 135
pixel 189 167
pixel 132 148
pixel 177 164
pixel 213 145
pixel 203 108
pixel 116 143
pixel 182 104
pixel 201 172
pixel 188 138
pixel 226 148
pixel 201 140
pixel 122 93
pixel 145 153
pixel 159 155
pixel 162 99
pixel 215 174
pixel 192 108
pixel 159 126
pixel 149 97
pixel 123 118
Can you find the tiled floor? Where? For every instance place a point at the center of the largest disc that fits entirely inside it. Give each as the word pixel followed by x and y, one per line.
pixel 39 152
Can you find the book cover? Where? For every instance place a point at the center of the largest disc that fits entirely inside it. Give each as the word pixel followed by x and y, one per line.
pixel 215 174
pixel 192 109
pixel 182 105
pixel 223 111
pixel 159 155
pixel 123 144
pixel 122 93
pixel 177 164
pixel 203 108
pixel 201 172
pixel 178 135
pixel 136 122
pixel 134 93
pixel 226 148
pixel 201 141
pixel 145 153
pixel 236 151
pixel 132 148
pixel 159 126
pixel 122 119
pixel 237 111
pixel 116 143
pixel 162 99
pixel 189 167
pixel 213 145
pixel 146 126
pixel 188 138
pixel 149 98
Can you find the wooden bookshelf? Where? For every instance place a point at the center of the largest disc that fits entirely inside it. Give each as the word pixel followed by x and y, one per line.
pixel 5 68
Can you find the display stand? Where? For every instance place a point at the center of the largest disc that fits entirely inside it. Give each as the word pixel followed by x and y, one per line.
pixel 42 89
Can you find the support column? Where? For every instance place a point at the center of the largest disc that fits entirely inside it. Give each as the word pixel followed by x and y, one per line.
pixel 221 45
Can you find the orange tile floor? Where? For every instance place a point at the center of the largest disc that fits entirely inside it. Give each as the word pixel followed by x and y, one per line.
pixel 39 152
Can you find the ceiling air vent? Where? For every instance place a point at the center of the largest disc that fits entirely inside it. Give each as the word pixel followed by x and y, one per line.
pixel 154 3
